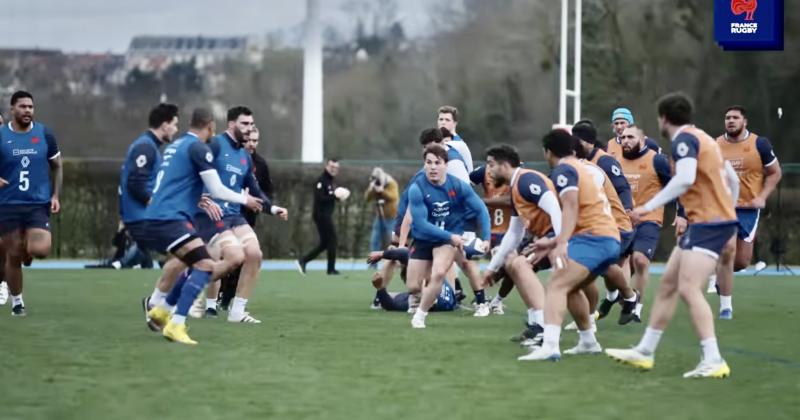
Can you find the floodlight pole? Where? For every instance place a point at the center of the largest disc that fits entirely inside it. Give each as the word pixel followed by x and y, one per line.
pixel 312 148
pixel 564 92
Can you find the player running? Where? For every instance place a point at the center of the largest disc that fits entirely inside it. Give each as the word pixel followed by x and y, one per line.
pixel 535 209
pixel 438 205
pixel 708 188
pixel 30 186
pixel 759 172
pixel 586 246
pixel 187 167
pixel 231 239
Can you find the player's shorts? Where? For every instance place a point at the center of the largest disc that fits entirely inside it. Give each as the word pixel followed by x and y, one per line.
pixel 748 223
pixel 207 228
pixel 625 243
pixel 708 238
pixel 24 216
pixel 645 239
pixel 423 250
pixel 496 239
pixel 164 236
pixel 596 253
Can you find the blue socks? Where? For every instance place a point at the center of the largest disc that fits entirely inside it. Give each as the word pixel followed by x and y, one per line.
pixel 190 290
pixel 175 293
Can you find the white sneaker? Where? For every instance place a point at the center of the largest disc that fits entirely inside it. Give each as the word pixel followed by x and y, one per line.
pixel 712 284
pixel 412 310
pixel 632 357
pixel 482 310
pixel 541 354
pixel 3 293
pixel 497 308
pixel 584 348
pixel 198 308
pixel 717 369
pixel 417 322
pixel 761 265
pixel 245 318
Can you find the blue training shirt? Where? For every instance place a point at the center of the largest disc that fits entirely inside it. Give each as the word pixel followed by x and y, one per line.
pixel 178 183
pixel 138 177
pixel 439 211
pixel 235 169
pixel 25 164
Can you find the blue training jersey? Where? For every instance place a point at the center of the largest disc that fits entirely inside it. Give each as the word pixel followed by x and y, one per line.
pixel 446 301
pixel 439 211
pixel 178 183
pixel 402 206
pixel 235 170
pixel 25 164
pixel 138 177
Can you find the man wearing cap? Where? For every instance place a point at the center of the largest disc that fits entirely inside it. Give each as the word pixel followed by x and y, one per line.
pixel 621 119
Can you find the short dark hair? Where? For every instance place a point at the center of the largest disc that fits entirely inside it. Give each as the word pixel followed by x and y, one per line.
pixel 430 135
pixel 737 108
pixel 577 147
pixel 504 153
pixel 162 113
pixel 19 95
pixel 445 133
pixel 676 107
pixel 331 159
pixel 449 109
pixel 436 150
pixel 201 118
pixel 559 142
pixel 235 112
pixel 586 131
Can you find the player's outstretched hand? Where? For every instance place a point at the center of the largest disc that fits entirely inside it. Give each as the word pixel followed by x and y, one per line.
pixel 211 208
pixel 254 204
pixel 3 182
pixel 55 205
pixel 281 212
pixel 489 277
pixel 637 214
pixel 374 257
pixel 457 241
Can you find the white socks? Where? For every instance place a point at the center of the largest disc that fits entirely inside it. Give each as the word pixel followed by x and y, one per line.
pixel 211 303
pixel 725 302
pixel 612 296
pixel 710 350
pixel 17 300
pixel 649 341
pixel 586 337
pixel 638 310
pixel 552 335
pixel 178 319
pixel 496 301
pixel 535 316
pixel 157 297
pixel 237 307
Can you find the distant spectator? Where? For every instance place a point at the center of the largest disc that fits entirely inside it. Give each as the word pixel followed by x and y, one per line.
pixel 383 190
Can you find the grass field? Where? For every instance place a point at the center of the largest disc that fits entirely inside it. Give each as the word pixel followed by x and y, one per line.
pixel 84 352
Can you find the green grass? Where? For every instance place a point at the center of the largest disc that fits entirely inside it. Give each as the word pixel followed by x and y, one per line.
pixel 84 352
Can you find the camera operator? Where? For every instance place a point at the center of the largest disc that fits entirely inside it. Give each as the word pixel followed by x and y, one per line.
pixel 384 191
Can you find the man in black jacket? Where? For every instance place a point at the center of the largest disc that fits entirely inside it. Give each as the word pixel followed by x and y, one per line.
pixel 325 195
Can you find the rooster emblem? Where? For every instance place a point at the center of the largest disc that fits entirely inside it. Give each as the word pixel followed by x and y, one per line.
pixel 748 7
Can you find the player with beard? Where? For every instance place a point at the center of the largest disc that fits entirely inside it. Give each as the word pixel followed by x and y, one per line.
pixel 647 173
pixel 621 119
pixel 30 185
pixel 759 171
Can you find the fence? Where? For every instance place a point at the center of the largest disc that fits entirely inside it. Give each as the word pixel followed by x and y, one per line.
pixel 89 217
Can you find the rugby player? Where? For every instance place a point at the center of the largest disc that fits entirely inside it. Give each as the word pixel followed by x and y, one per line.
pixel 30 186
pixel 708 188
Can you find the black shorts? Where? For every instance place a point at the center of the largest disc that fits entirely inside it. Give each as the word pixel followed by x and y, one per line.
pixel 708 238
pixel 423 250
pixel 626 243
pixel 24 216
pixel 645 239
pixel 164 236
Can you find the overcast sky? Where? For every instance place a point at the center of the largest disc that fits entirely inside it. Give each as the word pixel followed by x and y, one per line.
pixel 109 25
